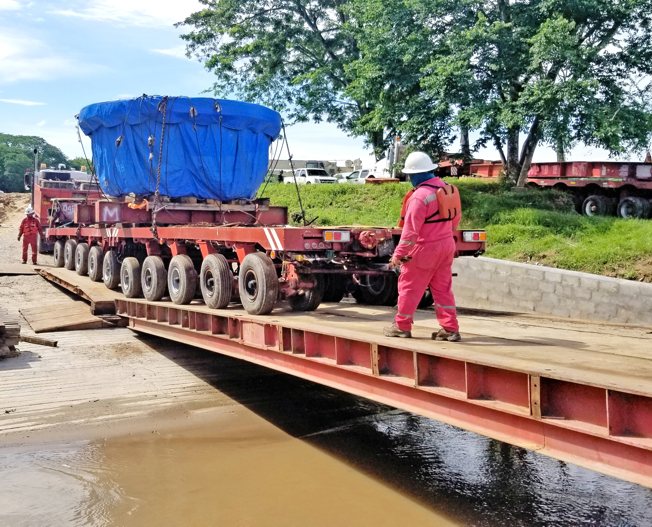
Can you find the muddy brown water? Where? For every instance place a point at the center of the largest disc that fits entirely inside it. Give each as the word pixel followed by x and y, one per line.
pixel 286 452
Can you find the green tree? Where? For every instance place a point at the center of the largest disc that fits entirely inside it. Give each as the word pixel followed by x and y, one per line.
pixel 79 162
pixel 17 155
pixel 291 55
pixel 518 72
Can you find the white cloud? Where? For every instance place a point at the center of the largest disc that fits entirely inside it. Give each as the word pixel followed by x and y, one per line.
pixel 149 13
pixel 22 102
pixel 25 58
pixel 178 52
pixel 9 5
pixel 41 124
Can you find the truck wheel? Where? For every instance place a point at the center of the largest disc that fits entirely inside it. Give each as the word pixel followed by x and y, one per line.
pixel 334 287
pixel 634 207
pixel 375 290
pixel 130 277
pixel 81 259
pixel 257 284
pixel 595 205
pixel 216 281
pixel 69 254
pixel 310 300
pixel 58 253
pixel 95 258
pixel 182 279
pixel 153 278
pixel 111 270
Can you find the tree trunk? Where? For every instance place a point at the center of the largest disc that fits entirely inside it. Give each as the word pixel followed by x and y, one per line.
pixel 513 168
pixel 465 146
pixel 377 142
pixel 560 151
pixel 529 146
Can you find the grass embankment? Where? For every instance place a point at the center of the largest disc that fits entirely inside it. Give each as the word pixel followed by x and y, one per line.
pixel 529 226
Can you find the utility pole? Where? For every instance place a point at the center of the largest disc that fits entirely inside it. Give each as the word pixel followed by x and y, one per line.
pixel 34 173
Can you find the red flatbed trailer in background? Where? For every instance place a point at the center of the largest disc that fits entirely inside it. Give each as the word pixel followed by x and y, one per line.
pixel 599 187
pixel 177 250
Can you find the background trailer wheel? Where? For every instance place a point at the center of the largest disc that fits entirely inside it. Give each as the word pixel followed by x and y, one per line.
pixel 334 287
pixel 153 278
pixel 595 205
pixel 216 281
pixel 634 207
pixel 111 270
pixel 130 277
pixel 258 284
pixel 69 254
pixel 311 298
pixel 58 253
pixel 81 259
pixel 182 279
pixel 95 259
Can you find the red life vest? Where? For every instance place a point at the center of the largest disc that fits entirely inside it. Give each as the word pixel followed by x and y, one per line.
pixel 449 205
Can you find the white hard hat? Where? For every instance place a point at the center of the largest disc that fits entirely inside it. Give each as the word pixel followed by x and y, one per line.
pixel 418 162
pixel 29 210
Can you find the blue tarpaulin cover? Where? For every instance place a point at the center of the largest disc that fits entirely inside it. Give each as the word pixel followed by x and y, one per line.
pixel 211 148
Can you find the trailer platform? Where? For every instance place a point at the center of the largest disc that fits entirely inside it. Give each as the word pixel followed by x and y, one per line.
pixel 576 391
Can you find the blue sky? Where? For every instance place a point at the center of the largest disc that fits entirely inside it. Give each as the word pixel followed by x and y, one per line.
pixel 58 56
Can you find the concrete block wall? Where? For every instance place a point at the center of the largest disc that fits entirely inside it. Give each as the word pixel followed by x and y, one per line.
pixel 486 283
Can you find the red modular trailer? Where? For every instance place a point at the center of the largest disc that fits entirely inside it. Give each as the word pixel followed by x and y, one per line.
pixel 241 250
pixel 600 187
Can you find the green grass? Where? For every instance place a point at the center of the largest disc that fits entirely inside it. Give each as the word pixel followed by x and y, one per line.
pixel 530 226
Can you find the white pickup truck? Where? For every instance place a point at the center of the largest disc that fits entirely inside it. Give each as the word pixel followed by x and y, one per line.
pixel 310 176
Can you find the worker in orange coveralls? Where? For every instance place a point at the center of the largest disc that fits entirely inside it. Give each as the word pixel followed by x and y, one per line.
pixel 425 254
pixel 29 229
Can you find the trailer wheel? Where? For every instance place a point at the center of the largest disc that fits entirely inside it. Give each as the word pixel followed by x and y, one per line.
pixel 69 254
pixel 153 278
pixel 334 287
pixel 182 279
pixel 130 277
pixel 595 205
pixel 58 253
pixel 216 281
pixel 634 207
pixel 258 284
pixel 375 290
pixel 111 270
pixel 81 259
pixel 310 300
pixel 95 258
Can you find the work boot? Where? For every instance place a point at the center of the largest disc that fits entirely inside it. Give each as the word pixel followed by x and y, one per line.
pixel 450 336
pixel 395 331
pixel 24 262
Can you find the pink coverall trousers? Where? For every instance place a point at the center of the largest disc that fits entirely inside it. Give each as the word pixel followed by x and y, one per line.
pixel 30 240
pixel 430 266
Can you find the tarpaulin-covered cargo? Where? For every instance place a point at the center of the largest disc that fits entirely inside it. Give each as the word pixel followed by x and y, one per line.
pixel 180 146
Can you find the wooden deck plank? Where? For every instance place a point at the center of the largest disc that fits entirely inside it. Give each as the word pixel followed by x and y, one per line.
pixel 71 315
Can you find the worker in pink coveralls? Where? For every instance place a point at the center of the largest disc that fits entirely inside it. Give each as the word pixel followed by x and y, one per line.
pixel 425 253
pixel 29 229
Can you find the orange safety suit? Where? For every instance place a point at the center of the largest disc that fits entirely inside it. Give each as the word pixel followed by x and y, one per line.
pixel 29 230
pixel 427 249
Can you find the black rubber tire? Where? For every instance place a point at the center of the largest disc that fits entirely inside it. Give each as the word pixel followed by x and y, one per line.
pixel 634 207
pixel 130 277
pixel 111 269
pixel 258 284
pixel 426 300
pixel 375 290
pixel 69 254
pixel 310 300
pixel 595 205
pixel 182 279
pixel 57 253
pixel 153 278
pixel 95 260
pixel 334 287
pixel 81 259
pixel 216 281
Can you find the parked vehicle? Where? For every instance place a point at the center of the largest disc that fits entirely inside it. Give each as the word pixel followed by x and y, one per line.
pixel 357 176
pixel 310 176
